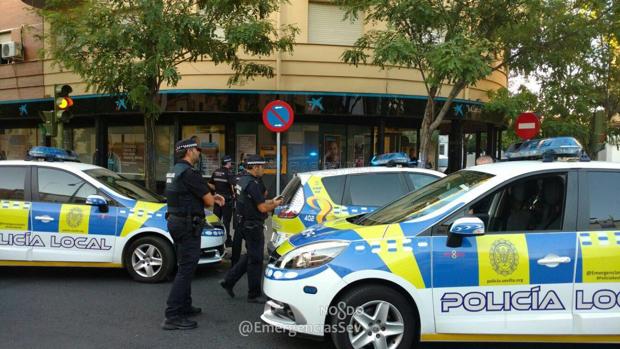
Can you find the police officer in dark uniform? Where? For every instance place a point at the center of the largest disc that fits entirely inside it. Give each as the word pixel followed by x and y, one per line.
pixel 252 209
pixel 223 182
pixel 187 195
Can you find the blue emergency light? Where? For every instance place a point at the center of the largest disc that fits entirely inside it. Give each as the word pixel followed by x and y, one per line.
pixel 51 154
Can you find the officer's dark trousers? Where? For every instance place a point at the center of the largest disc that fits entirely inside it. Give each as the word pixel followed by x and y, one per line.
pixel 251 262
pixel 236 247
pixel 187 245
pixel 224 213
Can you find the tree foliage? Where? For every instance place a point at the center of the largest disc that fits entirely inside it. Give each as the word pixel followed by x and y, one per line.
pixel 577 83
pixel 457 43
pixel 135 47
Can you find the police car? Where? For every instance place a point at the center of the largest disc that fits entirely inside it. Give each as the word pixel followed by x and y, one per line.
pixel 318 196
pixel 511 251
pixel 62 213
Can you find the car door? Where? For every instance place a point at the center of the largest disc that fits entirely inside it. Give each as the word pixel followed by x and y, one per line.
pixel 597 280
pixel 15 238
pixel 368 191
pixel 70 230
pixel 518 276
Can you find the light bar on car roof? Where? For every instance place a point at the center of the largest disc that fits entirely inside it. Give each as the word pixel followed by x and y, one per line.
pixel 51 154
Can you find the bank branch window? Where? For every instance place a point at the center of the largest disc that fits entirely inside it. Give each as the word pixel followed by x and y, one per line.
pixel 212 142
pixel 15 142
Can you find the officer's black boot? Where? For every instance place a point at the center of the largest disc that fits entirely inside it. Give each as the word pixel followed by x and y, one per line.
pixel 179 323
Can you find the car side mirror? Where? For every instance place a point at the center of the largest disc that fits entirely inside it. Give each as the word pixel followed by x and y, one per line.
pixel 464 227
pixel 99 201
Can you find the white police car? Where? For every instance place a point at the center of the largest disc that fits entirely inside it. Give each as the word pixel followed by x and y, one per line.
pixel 74 214
pixel 512 251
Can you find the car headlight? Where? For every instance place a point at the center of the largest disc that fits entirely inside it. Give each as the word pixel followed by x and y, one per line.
pixel 312 255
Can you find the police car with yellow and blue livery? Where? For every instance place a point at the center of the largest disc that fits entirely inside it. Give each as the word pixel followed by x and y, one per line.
pixel 511 251
pixel 64 213
pixel 318 196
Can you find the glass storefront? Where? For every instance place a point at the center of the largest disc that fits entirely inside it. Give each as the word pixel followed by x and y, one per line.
pixel 15 142
pixel 212 142
pixel 84 144
pixel 399 140
pixel 126 151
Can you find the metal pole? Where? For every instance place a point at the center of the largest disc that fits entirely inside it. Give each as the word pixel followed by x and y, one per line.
pixel 278 166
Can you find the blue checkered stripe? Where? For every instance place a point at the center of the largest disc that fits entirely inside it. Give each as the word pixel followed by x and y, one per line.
pixel 345 210
pixel 587 239
pixel 392 245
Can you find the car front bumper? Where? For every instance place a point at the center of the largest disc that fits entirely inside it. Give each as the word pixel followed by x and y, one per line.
pixel 300 299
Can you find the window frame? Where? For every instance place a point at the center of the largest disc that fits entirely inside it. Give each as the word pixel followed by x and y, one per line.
pixel 583 211
pixel 27 182
pixel 337 200
pixel 571 202
pixel 36 196
pixel 346 195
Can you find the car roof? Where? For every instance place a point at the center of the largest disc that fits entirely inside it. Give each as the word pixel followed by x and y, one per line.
pixel 510 169
pixel 67 165
pixel 369 169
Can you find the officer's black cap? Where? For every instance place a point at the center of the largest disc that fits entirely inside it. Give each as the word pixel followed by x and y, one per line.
pixel 254 159
pixel 185 144
pixel 226 159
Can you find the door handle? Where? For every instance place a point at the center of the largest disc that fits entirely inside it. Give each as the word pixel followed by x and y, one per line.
pixel 553 261
pixel 44 219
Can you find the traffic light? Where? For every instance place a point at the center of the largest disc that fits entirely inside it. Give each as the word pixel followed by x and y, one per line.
pixel 62 102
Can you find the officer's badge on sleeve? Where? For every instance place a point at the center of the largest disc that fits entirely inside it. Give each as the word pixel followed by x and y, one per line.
pixel 169 177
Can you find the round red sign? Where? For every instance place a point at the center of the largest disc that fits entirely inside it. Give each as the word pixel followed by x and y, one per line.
pixel 278 116
pixel 527 126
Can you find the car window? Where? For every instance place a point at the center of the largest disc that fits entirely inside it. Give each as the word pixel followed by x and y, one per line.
pixel 426 200
pixel 62 187
pixel 374 189
pixel 335 187
pixel 123 185
pixel 420 180
pixel 604 208
pixel 536 203
pixel 12 183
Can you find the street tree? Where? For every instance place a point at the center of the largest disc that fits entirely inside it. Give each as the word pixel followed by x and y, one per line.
pixel 455 44
pixel 135 47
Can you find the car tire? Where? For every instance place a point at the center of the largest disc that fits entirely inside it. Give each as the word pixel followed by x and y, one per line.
pixel 401 317
pixel 149 259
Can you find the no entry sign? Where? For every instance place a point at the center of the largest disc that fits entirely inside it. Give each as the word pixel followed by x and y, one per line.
pixel 278 116
pixel 527 126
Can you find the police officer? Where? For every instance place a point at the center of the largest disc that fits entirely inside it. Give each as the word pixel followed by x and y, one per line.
pixel 252 209
pixel 187 195
pixel 223 182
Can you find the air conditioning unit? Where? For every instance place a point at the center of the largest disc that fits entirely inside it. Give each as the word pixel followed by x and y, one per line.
pixel 12 50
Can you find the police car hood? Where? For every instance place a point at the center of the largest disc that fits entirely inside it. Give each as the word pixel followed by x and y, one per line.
pixel 345 229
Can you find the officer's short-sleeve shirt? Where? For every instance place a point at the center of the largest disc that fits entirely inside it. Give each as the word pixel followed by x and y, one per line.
pixel 255 190
pixel 195 183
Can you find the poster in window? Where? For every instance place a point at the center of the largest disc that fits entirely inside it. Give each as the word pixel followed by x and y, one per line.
pixel 332 151
pixel 246 145
pixel 359 150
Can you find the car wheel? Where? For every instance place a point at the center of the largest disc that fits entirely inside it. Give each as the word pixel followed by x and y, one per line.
pixel 374 317
pixel 149 259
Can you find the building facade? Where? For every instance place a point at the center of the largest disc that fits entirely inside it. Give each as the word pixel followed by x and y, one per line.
pixel 343 114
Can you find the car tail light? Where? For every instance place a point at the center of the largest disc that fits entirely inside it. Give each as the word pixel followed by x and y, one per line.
pixel 294 207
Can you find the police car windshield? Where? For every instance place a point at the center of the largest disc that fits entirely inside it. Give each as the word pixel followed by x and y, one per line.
pixel 427 199
pixel 124 186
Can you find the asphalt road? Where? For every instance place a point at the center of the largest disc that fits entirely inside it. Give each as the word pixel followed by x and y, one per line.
pixel 98 308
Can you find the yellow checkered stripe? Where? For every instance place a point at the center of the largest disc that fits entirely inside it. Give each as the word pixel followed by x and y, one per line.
pixel 395 251
pixel 14 214
pixel 139 214
pixel 600 253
